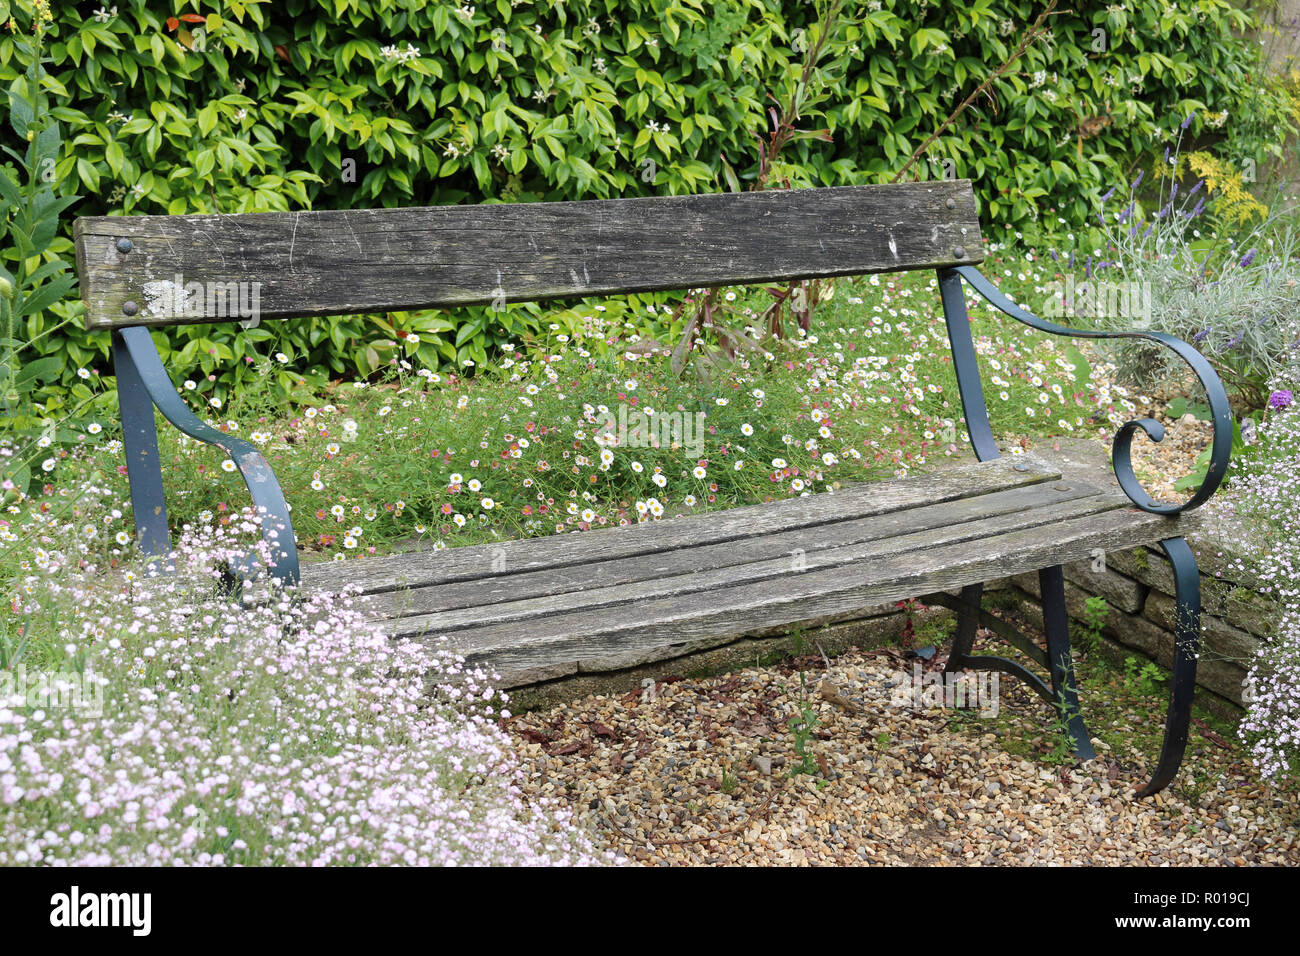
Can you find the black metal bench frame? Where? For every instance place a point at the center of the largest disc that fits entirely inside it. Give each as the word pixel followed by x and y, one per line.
pixel 655 243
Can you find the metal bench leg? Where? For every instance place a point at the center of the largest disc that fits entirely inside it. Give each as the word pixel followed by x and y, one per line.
pixel 967 623
pixel 143 467
pixel 1187 639
pixel 144 384
pixel 1056 625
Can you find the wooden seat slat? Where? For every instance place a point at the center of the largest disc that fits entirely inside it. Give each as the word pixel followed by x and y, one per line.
pixel 680 572
pixel 892 530
pixel 516 556
pixel 624 635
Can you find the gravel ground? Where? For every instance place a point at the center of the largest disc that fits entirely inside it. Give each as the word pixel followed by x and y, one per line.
pixel 696 772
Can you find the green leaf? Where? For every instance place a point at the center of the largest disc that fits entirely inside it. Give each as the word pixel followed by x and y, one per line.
pixel 1082 368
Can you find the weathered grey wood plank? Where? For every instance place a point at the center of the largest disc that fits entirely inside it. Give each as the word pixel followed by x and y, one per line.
pixel 598 640
pixel 479 562
pixel 350 261
pixel 571 584
pixel 682 575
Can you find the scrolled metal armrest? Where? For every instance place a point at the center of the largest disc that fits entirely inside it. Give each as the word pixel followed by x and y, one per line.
pixel 268 498
pixel 1221 414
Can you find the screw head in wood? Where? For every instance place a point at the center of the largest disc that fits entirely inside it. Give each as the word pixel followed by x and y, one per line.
pixel 130 308
pixel 124 245
pixel 959 252
pixel 951 203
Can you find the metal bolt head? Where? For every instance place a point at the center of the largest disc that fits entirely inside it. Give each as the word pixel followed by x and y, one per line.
pixel 124 245
pixel 959 252
pixel 951 203
pixel 130 308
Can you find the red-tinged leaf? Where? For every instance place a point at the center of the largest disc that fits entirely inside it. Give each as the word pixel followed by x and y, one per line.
pixel 561 750
pixel 601 730
pixel 281 52
pixel 1113 773
pixel 185 39
pixel 535 736
pixel 172 23
pixel 1209 734
pixel 194 18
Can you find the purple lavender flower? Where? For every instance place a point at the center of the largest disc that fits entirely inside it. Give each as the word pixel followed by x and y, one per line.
pixel 1281 399
pixel 1200 208
pixel 1108 193
pixel 1196 189
pixel 1188 122
pixel 1233 342
pixel 1141 173
pixel 1201 334
pixel 1247 259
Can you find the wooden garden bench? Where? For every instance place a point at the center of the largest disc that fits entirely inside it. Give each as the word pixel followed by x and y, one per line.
pixel 549 607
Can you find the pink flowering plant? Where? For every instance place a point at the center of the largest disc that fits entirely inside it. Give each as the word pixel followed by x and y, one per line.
pixel 1266 494
pixel 286 731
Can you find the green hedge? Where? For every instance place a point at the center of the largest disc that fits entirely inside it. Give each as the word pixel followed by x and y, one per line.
pixel 295 104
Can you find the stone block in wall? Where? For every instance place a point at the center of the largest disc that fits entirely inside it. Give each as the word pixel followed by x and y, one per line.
pixel 1240 605
pixel 1120 591
pixel 1219 639
pixel 1134 631
pixel 1076 598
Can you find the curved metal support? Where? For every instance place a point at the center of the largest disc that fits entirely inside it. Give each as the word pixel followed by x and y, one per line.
pixel 966 366
pixel 1187 639
pixel 139 367
pixel 970 610
pixel 1221 414
pixel 1062 694
pixel 989 662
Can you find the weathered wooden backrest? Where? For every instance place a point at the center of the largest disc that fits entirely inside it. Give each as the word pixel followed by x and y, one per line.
pixel 168 270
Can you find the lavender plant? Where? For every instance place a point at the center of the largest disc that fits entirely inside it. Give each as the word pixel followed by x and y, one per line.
pixel 1236 297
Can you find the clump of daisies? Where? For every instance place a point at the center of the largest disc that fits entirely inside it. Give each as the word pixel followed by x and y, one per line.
pixel 165 722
